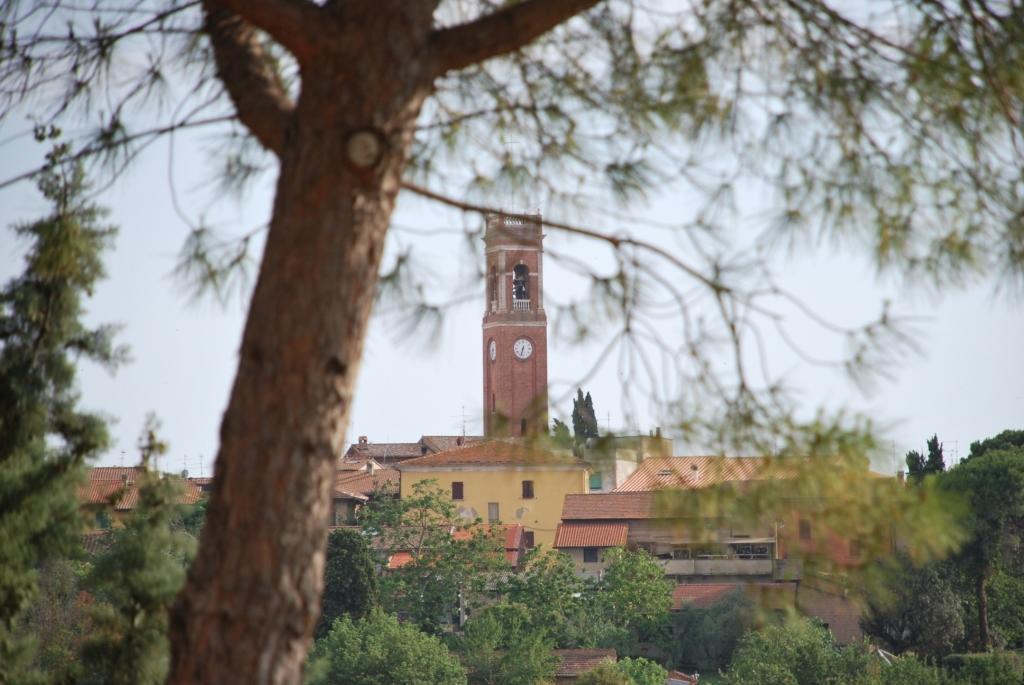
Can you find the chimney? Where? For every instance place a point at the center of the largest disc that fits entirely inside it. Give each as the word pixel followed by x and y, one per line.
pixel 901 476
pixel 458 441
pixel 362 439
pixel 657 432
pixel 370 467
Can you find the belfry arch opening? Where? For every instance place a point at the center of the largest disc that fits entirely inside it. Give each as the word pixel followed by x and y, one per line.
pixel 520 287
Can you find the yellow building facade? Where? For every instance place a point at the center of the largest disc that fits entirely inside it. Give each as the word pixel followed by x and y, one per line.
pixel 503 480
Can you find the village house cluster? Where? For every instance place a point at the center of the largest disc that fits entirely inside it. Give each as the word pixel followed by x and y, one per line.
pixel 581 501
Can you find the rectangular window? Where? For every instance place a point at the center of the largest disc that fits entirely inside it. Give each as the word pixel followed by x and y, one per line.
pixel 492 512
pixel 493 405
pixel 805 529
pixel 527 489
pixel 522 426
pixel 457 492
pixel 589 555
pixel 528 539
pixel 595 481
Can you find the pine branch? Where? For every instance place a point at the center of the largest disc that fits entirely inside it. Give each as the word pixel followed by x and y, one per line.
pixel 500 32
pixel 292 23
pixel 243 66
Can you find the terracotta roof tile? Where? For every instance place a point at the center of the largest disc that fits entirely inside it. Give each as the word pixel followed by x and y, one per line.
pixel 574 662
pixel 384 452
pixel 493 452
pixel 366 483
pixel 694 472
pixel 441 443
pixel 680 678
pixel 701 595
pixel 96 541
pixel 106 481
pixel 611 505
pixel 591 534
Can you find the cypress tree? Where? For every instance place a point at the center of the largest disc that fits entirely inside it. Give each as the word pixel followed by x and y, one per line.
pixel 45 439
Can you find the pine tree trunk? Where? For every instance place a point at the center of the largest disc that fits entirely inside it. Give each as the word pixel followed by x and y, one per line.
pixel 253 596
pixel 981 593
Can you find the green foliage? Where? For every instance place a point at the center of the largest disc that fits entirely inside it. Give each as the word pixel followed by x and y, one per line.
pixel 706 637
pixel 607 673
pixel 44 438
pixel 1006 613
pixel 136 580
pixel 378 650
pixel 350 579
pixel 995 668
pixel 993 486
pixel 642 671
pixel 499 647
pixel 1004 440
pixel 801 653
pixel 908 670
pixel 59 619
pixel 921 612
pixel 453 560
pixel 560 434
pixel 633 592
pixel 584 420
pixel 919 466
pixel 548 585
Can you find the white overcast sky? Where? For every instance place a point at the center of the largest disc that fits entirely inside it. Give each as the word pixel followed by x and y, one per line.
pixel 967 382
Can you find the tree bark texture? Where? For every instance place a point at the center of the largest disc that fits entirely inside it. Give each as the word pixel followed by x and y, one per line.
pixel 252 599
pixel 981 594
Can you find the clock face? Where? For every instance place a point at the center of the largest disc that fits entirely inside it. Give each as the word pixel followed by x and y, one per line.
pixel 523 348
pixel 492 349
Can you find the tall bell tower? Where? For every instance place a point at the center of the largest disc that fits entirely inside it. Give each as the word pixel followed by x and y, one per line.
pixel 515 328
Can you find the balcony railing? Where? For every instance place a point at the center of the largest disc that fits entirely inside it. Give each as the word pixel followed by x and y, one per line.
pixel 520 305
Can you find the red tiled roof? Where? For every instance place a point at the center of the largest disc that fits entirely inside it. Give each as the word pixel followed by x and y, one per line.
pixel 440 443
pixel 384 452
pixel 611 505
pixel 680 678
pixel 96 541
pixel 513 534
pixel 366 483
pixel 574 662
pixel 106 481
pixel 399 559
pixel 694 472
pixel 701 595
pixel 591 534
pixel 493 452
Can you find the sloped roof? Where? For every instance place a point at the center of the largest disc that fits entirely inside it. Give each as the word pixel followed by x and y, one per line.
pixel 704 595
pixel 106 481
pixel 693 473
pixel 384 452
pixel 493 453
pixel 511 532
pixel 575 662
pixel 611 505
pixel 591 534
pixel 96 541
pixel 441 443
pixel 365 483
pixel 680 678
pixel 701 595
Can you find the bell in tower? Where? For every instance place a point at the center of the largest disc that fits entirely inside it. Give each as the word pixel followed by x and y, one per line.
pixel 515 327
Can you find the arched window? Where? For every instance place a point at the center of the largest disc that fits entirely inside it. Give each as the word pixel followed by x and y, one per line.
pixel 521 283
